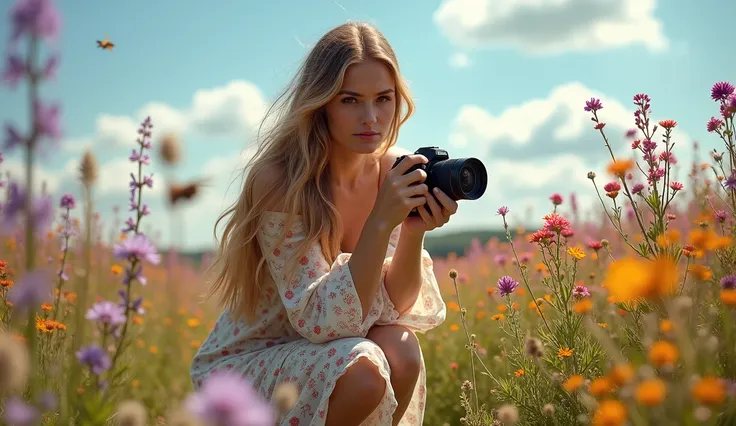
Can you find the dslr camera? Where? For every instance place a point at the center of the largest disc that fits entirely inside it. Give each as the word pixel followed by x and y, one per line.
pixel 459 178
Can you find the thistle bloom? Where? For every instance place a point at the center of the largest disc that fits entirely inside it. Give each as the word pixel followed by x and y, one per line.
pixel 227 398
pixel 503 211
pixel 721 91
pixel 138 247
pixel 593 105
pixel 95 358
pixel 581 291
pixel 506 285
pixel 728 282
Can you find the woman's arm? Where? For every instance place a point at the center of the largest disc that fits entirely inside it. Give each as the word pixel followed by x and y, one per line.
pixel 404 276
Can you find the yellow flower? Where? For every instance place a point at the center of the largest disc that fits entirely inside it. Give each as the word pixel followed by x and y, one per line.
pixel 576 253
pixel 46 307
pixel 663 353
pixel 651 392
pixel 709 391
pixel 497 317
pixel 601 386
pixel 602 324
pixel 116 269
pixel 193 322
pixel 564 352
pixel 610 413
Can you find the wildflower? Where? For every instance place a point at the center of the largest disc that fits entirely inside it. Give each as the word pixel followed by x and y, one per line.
pixel 138 247
pixel 663 353
pixel 651 392
pixel 556 199
pixel 20 413
pixel 580 291
pixel 728 297
pixel 676 186
pixel 721 91
pixel 453 274
pixel 107 313
pixel 48 325
pixel 548 410
pixel 227 398
pixel 612 189
pixel 503 211
pixel 709 391
pixel 700 272
pixel 95 358
pixel 573 383
pixel 116 269
pixel 32 290
pixel 621 374
pixel 67 202
pixel 564 352
pixel 14 364
pixel 583 307
pixel 728 282
pixel 508 414
pixel 131 413
pixel 506 285
pixel 519 372
pixel 665 326
pixel 576 253
pixel 541 236
pixel 497 317
pixel 591 175
pixel 721 216
pixel 668 124
pixel 555 223
pixel 593 105
pixel 610 413
pixel 13 210
pixel 620 168
pixel 632 278
pixel 454 327
pixel 601 386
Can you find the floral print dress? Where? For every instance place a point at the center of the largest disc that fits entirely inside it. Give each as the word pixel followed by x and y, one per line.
pixel 310 331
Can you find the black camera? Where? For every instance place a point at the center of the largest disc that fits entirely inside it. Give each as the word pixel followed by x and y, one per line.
pixel 459 178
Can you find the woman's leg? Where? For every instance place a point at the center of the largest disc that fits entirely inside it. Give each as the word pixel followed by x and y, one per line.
pixel 401 347
pixel 356 395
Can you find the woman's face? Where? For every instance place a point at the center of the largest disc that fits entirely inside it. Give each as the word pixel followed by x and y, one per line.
pixel 360 116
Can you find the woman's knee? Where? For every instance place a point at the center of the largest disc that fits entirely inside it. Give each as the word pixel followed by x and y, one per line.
pixel 402 350
pixel 363 380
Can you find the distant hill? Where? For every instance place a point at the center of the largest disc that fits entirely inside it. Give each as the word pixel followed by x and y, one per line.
pixel 441 245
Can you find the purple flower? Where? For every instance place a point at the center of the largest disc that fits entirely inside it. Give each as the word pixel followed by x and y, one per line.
pixel 48 119
pixel 67 201
pixel 20 413
pixel 35 17
pixel 581 291
pixel 31 290
pixel 730 182
pixel 503 211
pixel 500 259
pixel 107 313
pixel 721 91
pixel 593 105
pixel 42 211
pixel 138 247
pixel 714 124
pixel 95 358
pixel 721 216
pixel 506 285
pixel 728 282
pixel 637 188
pixel 227 399
pixel 15 70
pixel 12 138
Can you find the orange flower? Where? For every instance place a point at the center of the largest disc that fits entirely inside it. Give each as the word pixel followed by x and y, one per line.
pixel 665 326
pixel 515 306
pixel 583 307
pixel 503 308
pixel 454 327
pixel 728 297
pixel 621 167
pixel 480 314
pixel 453 306
pixel 709 391
pixel 651 392
pixel 573 383
pixel 497 317
pixel 564 352
pixel 663 353
pixel 700 272
pixel 668 124
pixel 519 373
pixel 632 278
pixel 46 307
pixel 601 386
pixel 610 413
pixel 621 374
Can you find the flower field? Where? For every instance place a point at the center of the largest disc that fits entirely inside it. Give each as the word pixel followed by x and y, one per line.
pixel 627 320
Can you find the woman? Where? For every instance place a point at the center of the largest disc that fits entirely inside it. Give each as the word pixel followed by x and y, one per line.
pixel 322 273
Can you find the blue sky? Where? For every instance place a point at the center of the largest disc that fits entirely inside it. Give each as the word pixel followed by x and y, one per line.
pixel 501 80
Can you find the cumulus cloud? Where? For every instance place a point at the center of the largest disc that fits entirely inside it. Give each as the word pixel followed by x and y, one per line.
pixel 546 145
pixel 551 26
pixel 233 111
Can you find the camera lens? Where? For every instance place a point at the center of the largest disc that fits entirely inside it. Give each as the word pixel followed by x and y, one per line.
pixel 467 179
pixel 460 178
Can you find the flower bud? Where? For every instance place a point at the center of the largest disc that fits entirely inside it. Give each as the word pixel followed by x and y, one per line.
pixel 170 149
pixel 88 168
pixel 591 175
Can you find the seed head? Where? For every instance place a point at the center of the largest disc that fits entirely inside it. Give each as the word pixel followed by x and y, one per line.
pixel 453 274
pixel 14 364
pixel 131 413
pixel 591 175
pixel 170 149
pixel 534 347
pixel 88 168
pixel 508 414
pixel 548 410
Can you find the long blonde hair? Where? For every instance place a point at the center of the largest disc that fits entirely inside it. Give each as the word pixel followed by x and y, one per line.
pixel 297 142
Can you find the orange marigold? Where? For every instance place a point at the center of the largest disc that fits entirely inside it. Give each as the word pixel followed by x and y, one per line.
pixel 651 392
pixel 709 391
pixel 663 353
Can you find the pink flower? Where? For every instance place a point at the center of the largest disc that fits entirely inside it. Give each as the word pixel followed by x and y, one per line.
pixel 676 186
pixel 556 199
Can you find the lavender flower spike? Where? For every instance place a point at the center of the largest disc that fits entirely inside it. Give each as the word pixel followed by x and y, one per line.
pixel 138 247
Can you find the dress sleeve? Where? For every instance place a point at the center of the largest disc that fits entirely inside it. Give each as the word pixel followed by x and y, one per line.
pixel 320 300
pixel 428 311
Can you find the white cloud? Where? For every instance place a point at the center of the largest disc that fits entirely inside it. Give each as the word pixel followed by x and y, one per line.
pixel 551 26
pixel 233 110
pixel 459 60
pixel 41 176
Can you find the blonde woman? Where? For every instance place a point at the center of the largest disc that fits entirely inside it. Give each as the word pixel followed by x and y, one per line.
pixel 321 272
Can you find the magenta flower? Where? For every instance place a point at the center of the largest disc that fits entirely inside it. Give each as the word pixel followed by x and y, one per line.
pixel 714 124
pixel 728 282
pixel 138 247
pixel 556 199
pixel 676 186
pixel 730 182
pixel 593 105
pixel 506 285
pixel 228 399
pixel 721 91
pixel 37 18
pixel 15 70
pixel 67 201
pixel 637 188
pixel 503 211
pixel 107 313
pixel 721 216
pixel 580 291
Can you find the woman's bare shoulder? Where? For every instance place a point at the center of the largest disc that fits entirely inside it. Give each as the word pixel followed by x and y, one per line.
pixel 388 158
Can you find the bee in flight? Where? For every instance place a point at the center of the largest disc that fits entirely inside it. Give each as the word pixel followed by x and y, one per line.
pixel 105 44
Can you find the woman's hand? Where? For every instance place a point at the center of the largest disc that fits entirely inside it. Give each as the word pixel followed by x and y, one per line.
pixel 400 192
pixel 439 213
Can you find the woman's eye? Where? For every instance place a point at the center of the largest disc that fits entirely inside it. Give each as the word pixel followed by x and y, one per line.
pixel 349 100
pixel 384 99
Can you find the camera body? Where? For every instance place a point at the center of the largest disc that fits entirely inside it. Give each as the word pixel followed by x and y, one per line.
pixel 459 178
